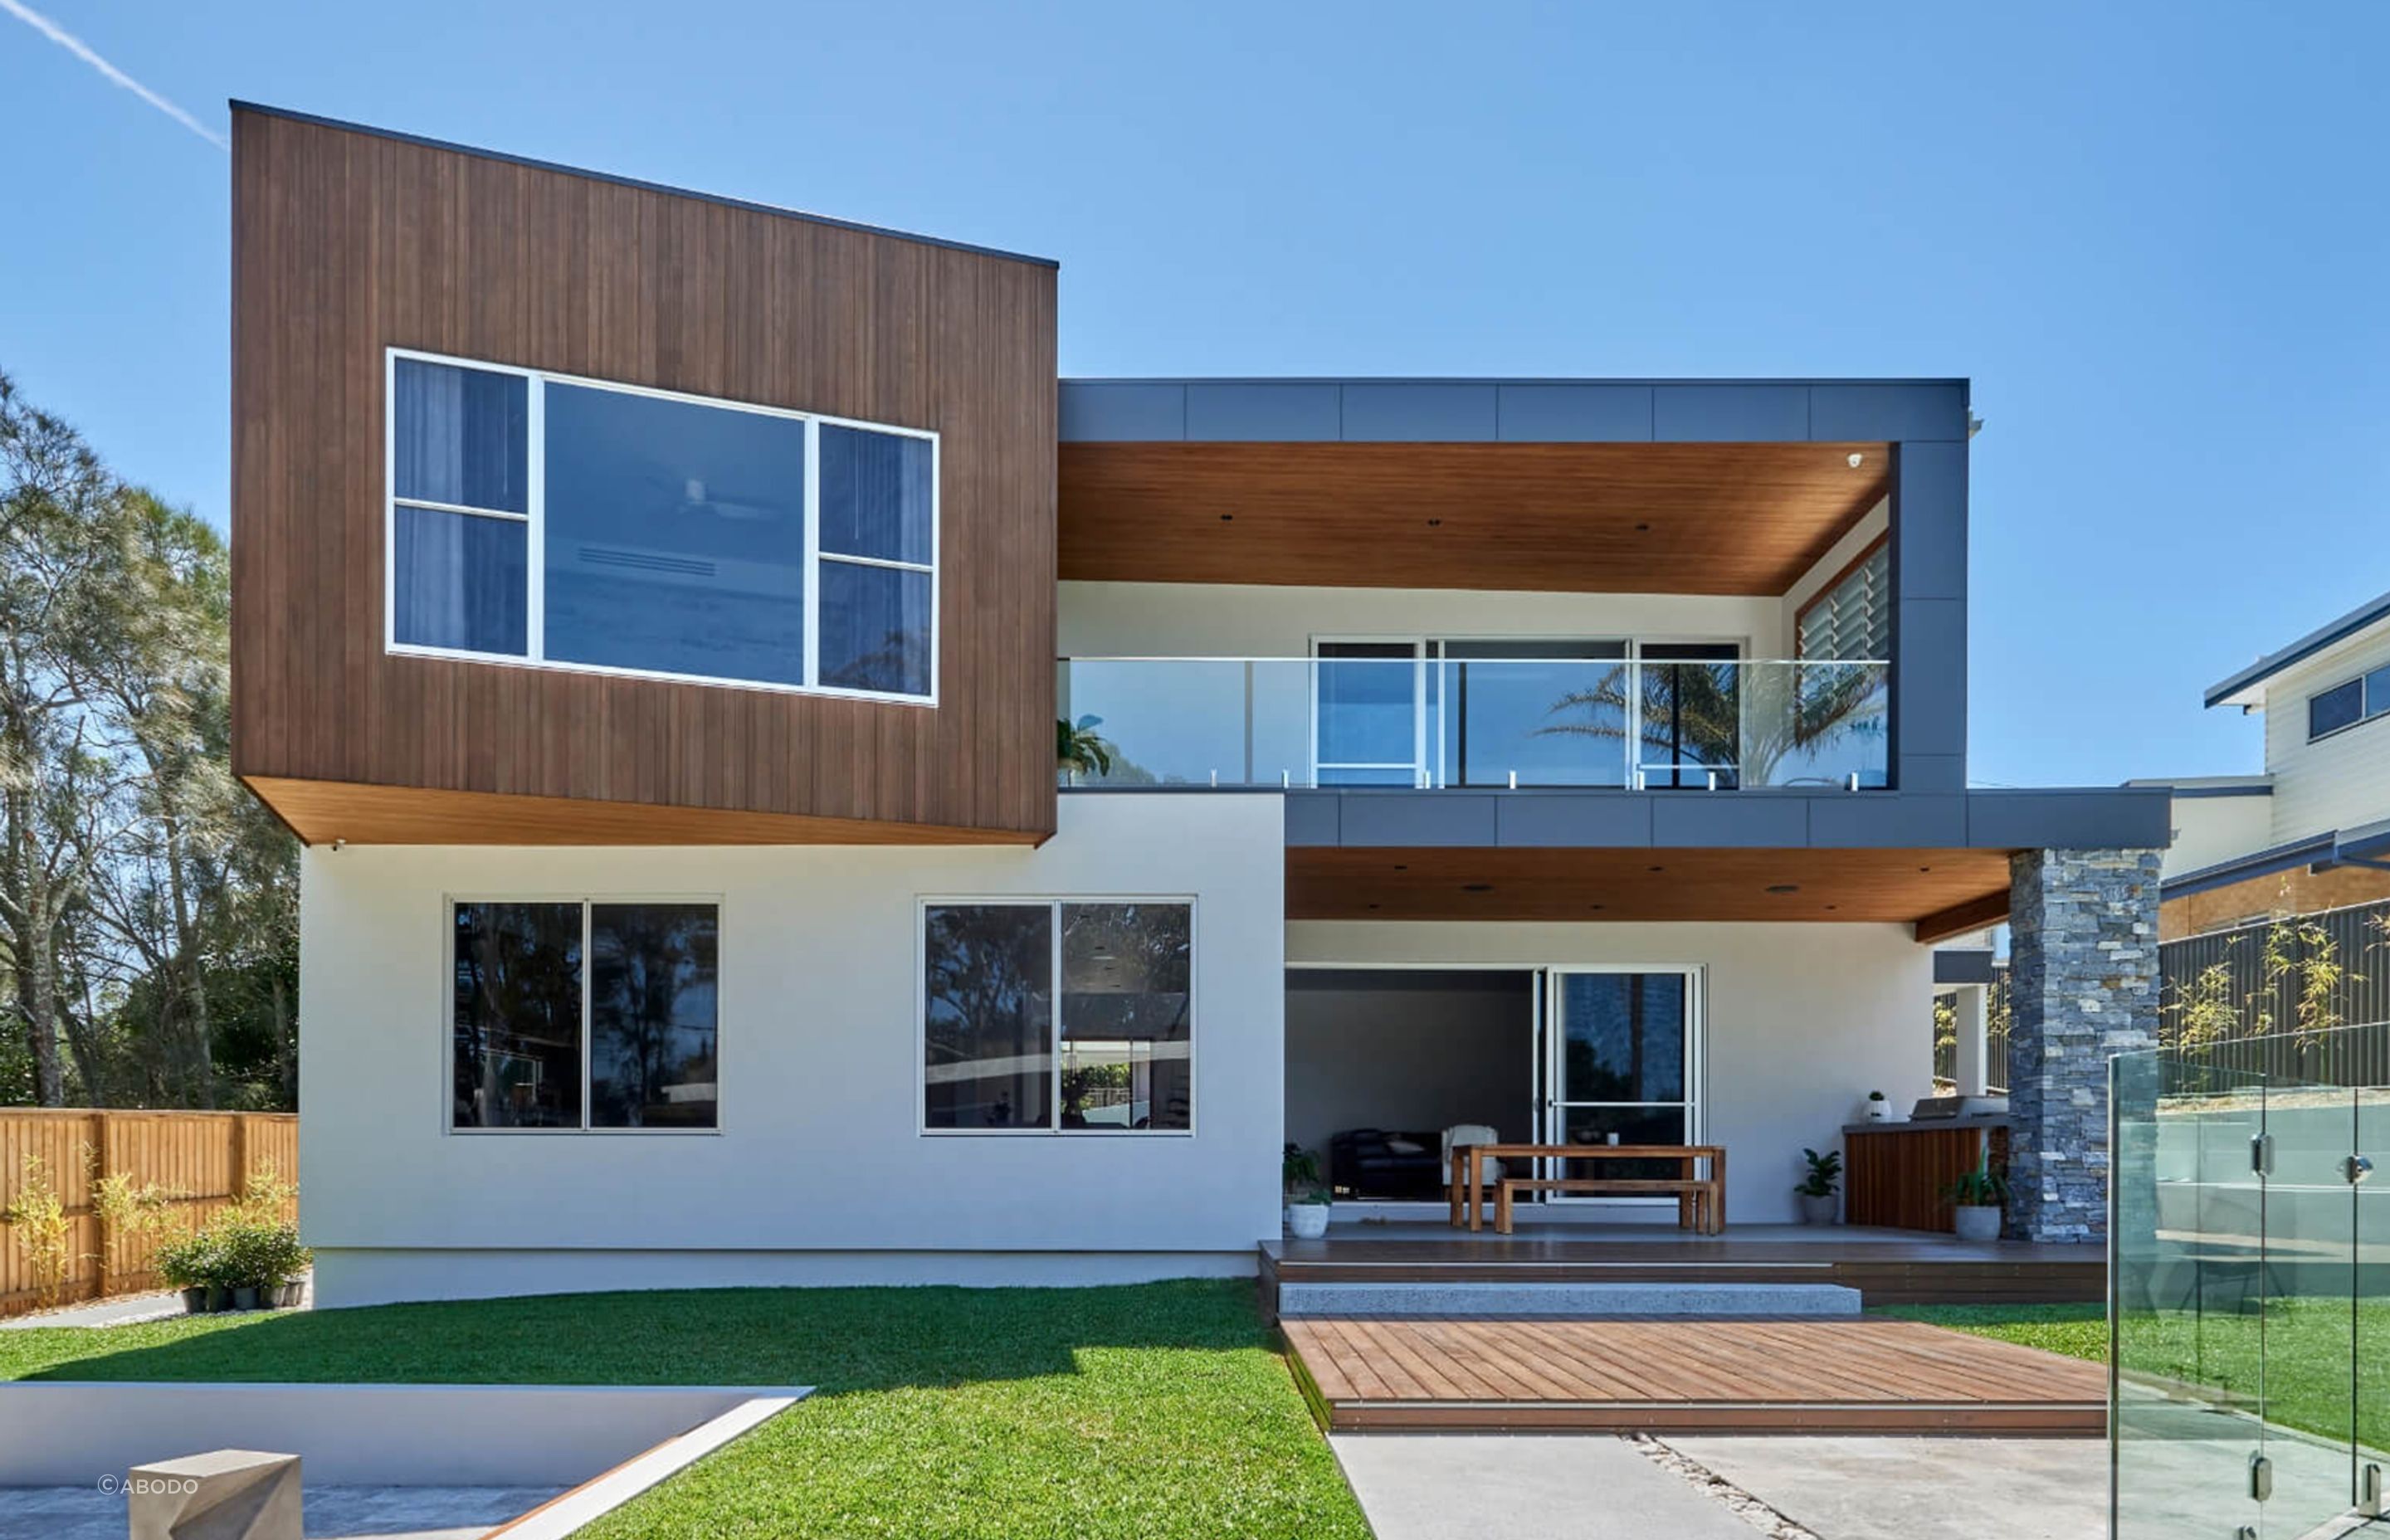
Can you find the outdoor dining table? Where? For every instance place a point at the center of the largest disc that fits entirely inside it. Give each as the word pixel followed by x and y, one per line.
pixel 1467 1180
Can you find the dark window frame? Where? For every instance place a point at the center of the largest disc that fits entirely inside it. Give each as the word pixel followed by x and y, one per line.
pixel 1056 1026
pixel 587 902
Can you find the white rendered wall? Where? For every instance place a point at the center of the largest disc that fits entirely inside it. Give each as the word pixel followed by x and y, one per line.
pixel 1803 1019
pixel 817 1163
pixel 2342 781
pixel 2212 830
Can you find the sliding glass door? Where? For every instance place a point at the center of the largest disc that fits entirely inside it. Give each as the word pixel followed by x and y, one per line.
pixel 1622 1062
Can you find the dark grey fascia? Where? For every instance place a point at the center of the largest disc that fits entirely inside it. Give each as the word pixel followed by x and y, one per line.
pixel 2331 634
pixel 2069 818
pixel 1963 965
pixel 1515 411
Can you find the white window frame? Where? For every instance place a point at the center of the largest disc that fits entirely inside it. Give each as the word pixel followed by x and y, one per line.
pixel 536 501
pixel 923 904
pixel 587 900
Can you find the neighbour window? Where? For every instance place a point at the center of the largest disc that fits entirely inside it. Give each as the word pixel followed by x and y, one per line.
pixel 571 1015
pixel 1057 1017
pixel 2348 703
pixel 591 526
pixel 1851 620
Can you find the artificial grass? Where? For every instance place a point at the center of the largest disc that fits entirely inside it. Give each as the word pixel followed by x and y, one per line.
pixel 1152 1411
pixel 2304 1342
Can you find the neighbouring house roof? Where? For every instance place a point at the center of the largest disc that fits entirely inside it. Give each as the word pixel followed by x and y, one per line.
pixel 2244 689
pixel 2366 845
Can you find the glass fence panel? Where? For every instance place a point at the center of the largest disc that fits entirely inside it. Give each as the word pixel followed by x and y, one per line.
pixel 2186 1307
pixel 2370 1351
pixel 1431 715
pixel 2309 1275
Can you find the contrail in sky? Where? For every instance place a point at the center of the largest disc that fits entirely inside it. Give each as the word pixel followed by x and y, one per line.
pixel 82 50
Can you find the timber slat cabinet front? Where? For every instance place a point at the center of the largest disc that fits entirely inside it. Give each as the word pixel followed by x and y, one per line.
pixel 348 244
pixel 1897 1170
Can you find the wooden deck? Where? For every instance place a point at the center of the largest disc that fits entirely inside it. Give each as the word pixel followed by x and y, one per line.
pixel 1841 1374
pixel 1885 1266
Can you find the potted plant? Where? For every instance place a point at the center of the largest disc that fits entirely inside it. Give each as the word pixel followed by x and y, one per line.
pixel 1079 748
pixel 1878 1108
pixel 1977 1200
pixel 188 1262
pixel 1308 1201
pixel 1817 1188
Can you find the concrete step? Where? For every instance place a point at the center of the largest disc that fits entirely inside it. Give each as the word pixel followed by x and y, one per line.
pixel 1566 1298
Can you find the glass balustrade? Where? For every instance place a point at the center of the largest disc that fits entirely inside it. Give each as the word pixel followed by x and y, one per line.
pixel 2249 1285
pixel 1476 715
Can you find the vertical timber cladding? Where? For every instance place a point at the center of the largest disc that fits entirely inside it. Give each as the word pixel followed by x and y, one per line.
pixel 346 242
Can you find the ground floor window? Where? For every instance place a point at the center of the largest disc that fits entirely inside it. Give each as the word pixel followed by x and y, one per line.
pixel 1058 1015
pixel 584 1014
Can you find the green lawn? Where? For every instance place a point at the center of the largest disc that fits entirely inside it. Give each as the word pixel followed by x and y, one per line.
pixel 2305 1351
pixel 1153 1411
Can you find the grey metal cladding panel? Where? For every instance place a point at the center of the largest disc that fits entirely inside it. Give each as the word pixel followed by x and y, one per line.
pixel 1573 818
pixel 1931 708
pixel 1889 820
pixel 1963 965
pixel 1262 413
pixel 1575 414
pixel 1932 773
pixel 1858 414
pixel 1730 414
pixel 1423 412
pixel 2087 818
pixel 1134 413
pixel 1727 819
pixel 1417 818
pixel 1932 509
pixel 1312 818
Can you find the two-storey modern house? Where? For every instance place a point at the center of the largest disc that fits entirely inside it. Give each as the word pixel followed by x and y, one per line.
pixel 796 792
pixel 2312 831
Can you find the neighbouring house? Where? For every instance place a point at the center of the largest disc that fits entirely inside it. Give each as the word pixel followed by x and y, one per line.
pixel 796 792
pixel 2308 839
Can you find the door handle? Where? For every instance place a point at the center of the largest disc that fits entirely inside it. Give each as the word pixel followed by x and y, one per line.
pixel 2356 1168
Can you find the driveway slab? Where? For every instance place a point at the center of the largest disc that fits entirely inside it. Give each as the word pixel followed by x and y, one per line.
pixel 1845 1487
pixel 1545 1486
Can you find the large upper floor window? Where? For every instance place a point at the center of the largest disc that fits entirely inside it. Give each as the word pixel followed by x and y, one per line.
pixel 2348 703
pixel 539 519
pixel 571 1014
pixel 1057 1017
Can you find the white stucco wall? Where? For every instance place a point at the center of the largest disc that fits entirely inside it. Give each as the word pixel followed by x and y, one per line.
pixel 2209 829
pixel 818 1170
pixel 1803 1019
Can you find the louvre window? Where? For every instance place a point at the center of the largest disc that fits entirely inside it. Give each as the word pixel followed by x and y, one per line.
pixel 1852 620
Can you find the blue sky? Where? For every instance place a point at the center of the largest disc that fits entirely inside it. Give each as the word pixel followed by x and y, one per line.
pixel 2155 236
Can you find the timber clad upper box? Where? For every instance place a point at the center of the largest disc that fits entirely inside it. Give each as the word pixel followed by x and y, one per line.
pixel 366 263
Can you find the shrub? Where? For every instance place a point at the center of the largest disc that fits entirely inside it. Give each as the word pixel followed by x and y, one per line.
pixel 45 1230
pixel 191 1261
pixel 258 1254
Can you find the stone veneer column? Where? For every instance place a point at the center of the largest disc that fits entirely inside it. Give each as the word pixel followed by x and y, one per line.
pixel 2083 984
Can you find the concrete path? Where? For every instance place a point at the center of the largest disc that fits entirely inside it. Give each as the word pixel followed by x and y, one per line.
pixel 126 1309
pixel 333 1513
pixel 1860 1488
pixel 1548 1486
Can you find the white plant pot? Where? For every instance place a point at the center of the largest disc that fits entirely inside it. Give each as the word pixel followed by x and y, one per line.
pixel 1879 1111
pixel 1816 1210
pixel 1977 1221
pixel 1306 1221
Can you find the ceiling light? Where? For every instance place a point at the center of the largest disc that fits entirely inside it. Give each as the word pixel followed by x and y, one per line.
pixel 1857 459
pixel 1784 887
pixel 1477 886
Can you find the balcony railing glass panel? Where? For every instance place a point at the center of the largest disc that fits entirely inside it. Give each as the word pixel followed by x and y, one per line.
pixel 1472 715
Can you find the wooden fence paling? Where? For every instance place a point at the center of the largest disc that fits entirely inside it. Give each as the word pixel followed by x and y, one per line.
pixel 206 1159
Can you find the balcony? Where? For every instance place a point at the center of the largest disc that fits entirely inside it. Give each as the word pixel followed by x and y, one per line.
pixel 1503 715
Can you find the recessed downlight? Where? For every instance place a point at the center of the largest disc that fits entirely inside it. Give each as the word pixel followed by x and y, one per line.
pixel 1784 887
pixel 1477 886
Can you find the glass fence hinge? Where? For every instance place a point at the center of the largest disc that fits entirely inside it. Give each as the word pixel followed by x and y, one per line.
pixel 2356 1168
pixel 2261 1478
pixel 2261 1154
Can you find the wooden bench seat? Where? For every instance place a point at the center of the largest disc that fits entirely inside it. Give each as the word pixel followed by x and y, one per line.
pixel 1700 1208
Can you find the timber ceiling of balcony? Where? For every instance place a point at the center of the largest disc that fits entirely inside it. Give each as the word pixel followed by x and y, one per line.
pixel 1940 891
pixel 1594 518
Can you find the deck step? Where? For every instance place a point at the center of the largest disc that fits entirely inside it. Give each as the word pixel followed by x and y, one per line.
pixel 1565 1299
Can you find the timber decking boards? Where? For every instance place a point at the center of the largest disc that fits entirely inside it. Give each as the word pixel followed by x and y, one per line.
pixel 1842 1375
